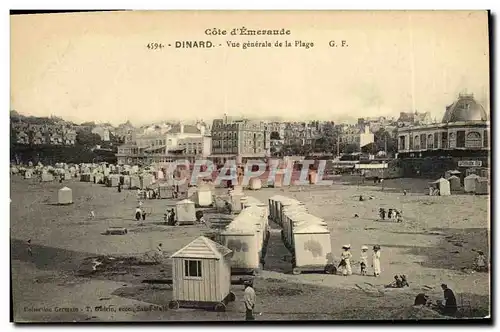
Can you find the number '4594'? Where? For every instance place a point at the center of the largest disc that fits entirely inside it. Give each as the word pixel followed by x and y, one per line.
pixel 155 46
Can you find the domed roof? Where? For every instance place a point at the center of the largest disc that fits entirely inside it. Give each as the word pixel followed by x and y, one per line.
pixel 466 108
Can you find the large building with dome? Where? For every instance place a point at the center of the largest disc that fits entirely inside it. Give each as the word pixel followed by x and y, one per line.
pixel 461 141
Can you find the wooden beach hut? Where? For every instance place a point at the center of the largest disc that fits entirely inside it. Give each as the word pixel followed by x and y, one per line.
pixel 185 212
pixel 201 276
pixel 204 196
pixel 312 249
pixel 242 239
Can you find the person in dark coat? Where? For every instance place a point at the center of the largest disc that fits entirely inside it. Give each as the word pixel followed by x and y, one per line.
pixel 382 213
pixel 421 299
pixel 172 217
pixel 138 213
pixel 119 187
pixel 143 215
pixel 29 248
pixel 449 308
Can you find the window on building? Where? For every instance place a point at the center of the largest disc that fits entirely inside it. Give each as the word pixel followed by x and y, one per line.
pixel 485 139
pixel 444 140
pixel 473 140
pixel 452 141
pixel 402 143
pixel 430 141
pixel 192 268
pixel 423 141
pixel 416 142
pixel 436 140
pixel 461 139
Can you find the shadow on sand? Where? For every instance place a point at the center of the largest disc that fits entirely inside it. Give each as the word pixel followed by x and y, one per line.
pixel 46 258
pixel 305 301
pixel 455 251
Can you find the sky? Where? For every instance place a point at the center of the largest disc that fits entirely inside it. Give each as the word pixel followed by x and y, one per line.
pixel 96 66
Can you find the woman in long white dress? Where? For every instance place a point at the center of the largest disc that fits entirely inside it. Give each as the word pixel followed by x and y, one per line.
pixel 346 257
pixel 376 260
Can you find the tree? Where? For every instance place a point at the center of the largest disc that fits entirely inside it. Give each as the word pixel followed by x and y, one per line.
pixel 383 137
pixel 87 139
pixel 115 139
pixel 324 144
pixel 351 148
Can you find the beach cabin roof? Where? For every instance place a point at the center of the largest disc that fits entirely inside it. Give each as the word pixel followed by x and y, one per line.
pixel 240 228
pixel 277 198
pixel 247 214
pixel 253 200
pixel 301 223
pixel 254 211
pixel 440 180
pixel 303 215
pixel 472 176
pixel 202 247
pixel 311 229
pixel 455 172
pixel 184 201
pixel 290 201
pixel 65 189
pixel 453 177
pixel 481 179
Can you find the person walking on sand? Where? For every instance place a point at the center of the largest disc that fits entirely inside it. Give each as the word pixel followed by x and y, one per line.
pixel 363 260
pixel 172 217
pixel 346 257
pixel 376 260
pixel 382 213
pixel 30 252
pixel 166 217
pixel 138 213
pixel 249 299
pixel 143 213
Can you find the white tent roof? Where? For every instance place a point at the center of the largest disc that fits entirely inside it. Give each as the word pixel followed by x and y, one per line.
pixel 65 189
pixel 202 247
pixel 277 197
pixel 440 180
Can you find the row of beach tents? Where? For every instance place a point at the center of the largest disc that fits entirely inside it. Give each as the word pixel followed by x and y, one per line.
pixel 471 184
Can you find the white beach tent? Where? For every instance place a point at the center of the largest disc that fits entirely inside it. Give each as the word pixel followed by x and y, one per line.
pixel 444 186
pixel 185 212
pixel 65 196
pixel 455 183
pixel 482 186
pixel 470 183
